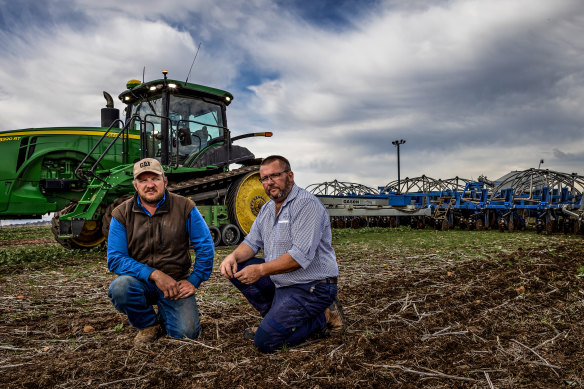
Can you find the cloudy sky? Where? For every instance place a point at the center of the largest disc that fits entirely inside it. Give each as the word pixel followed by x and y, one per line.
pixel 474 87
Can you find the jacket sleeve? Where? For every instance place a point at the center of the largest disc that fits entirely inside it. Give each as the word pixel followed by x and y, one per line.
pixel 118 258
pixel 202 243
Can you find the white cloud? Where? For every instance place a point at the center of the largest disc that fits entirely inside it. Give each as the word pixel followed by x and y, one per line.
pixel 470 77
pixel 476 87
pixel 60 74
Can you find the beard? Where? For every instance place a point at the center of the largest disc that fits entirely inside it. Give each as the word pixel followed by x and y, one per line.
pixel 283 191
pixel 152 197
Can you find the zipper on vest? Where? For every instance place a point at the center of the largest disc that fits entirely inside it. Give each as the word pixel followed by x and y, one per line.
pixel 159 233
pixel 151 241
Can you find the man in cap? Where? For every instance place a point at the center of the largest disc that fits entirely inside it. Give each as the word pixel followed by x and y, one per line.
pixel 295 286
pixel 149 243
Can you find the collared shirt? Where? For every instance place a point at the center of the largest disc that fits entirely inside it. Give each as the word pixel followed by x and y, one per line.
pixel 301 229
pixel 120 262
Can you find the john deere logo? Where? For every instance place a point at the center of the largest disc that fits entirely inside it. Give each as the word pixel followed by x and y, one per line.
pixel 144 164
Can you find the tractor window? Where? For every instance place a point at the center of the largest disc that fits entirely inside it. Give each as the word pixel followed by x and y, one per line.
pixel 149 112
pixel 203 119
pixel 187 116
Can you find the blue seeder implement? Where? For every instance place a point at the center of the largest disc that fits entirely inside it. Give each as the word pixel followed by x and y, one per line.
pixel 551 200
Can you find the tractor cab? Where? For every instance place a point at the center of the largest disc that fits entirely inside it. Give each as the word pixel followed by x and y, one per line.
pixel 178 121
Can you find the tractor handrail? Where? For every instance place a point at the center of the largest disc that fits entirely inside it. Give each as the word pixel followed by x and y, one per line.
pixel 78 170
pixel 124 130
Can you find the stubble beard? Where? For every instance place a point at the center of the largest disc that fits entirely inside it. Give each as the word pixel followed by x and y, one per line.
pixel 152 200
pixel 283 191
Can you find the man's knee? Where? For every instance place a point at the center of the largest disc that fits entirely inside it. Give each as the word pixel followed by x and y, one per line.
pixel 266 342
pixel 186 330
pixel 118 289
pixel 270 338
pixel 185 322
pixel 192 332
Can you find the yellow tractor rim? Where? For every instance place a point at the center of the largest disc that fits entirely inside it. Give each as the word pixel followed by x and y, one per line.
pixel 249 199
pixel 91 235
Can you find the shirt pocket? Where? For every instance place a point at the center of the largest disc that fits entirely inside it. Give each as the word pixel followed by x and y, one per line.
pixel 283 233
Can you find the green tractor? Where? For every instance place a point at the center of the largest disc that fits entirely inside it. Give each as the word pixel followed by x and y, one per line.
pixel 81 174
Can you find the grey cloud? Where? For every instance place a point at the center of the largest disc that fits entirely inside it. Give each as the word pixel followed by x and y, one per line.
pixel 471 94
pixel 567 156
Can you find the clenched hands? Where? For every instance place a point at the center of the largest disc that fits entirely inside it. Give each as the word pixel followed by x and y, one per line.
pixel 172 289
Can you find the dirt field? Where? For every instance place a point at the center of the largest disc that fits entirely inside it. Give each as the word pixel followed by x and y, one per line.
pixel 491 311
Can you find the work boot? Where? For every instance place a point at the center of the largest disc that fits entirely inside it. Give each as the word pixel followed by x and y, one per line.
pixel 249 333
pixel 335 319
pixel 147 336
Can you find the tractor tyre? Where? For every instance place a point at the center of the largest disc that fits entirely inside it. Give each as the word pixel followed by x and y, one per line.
pixel 91 235
pixel 107 215
pixel 215 235
pixel 245 198
pixel 230 235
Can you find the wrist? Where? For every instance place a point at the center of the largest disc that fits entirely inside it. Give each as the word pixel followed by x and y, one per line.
pixel 262 269
pixel 154 275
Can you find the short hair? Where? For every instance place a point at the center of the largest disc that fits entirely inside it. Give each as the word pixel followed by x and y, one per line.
pixel 283 161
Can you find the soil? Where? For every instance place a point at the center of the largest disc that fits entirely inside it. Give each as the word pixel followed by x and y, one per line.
pixel 513 320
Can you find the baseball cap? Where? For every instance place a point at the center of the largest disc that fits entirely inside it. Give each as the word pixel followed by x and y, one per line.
pixel 147 165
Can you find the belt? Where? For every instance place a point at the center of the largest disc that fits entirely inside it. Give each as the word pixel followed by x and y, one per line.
pixel 329 280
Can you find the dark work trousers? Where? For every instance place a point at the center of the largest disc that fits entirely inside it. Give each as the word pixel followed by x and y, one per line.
pixel 291 313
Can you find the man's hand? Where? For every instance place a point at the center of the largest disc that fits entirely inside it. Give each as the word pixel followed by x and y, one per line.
pixel 229 266
pixel 249 274
pixel 166 284
pixel 185 289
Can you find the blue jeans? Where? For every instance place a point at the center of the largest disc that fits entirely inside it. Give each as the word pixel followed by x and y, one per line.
pixel 291 313
pixel 133 297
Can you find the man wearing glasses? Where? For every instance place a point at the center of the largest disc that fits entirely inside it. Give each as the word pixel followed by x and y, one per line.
pixel 149 243
pixel 294 287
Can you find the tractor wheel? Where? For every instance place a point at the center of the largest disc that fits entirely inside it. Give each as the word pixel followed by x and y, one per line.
pixel 215 235
pixel 107 216
pixel 230 235
pixel 245 198
pixel 90 236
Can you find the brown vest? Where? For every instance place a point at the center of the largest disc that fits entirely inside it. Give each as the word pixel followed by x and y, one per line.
pixel 161 241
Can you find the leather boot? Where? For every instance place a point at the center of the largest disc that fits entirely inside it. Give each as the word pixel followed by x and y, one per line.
pixel 147 336
pixel 335 319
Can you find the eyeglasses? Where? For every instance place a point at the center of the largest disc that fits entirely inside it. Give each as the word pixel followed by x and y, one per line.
pixel 272 176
